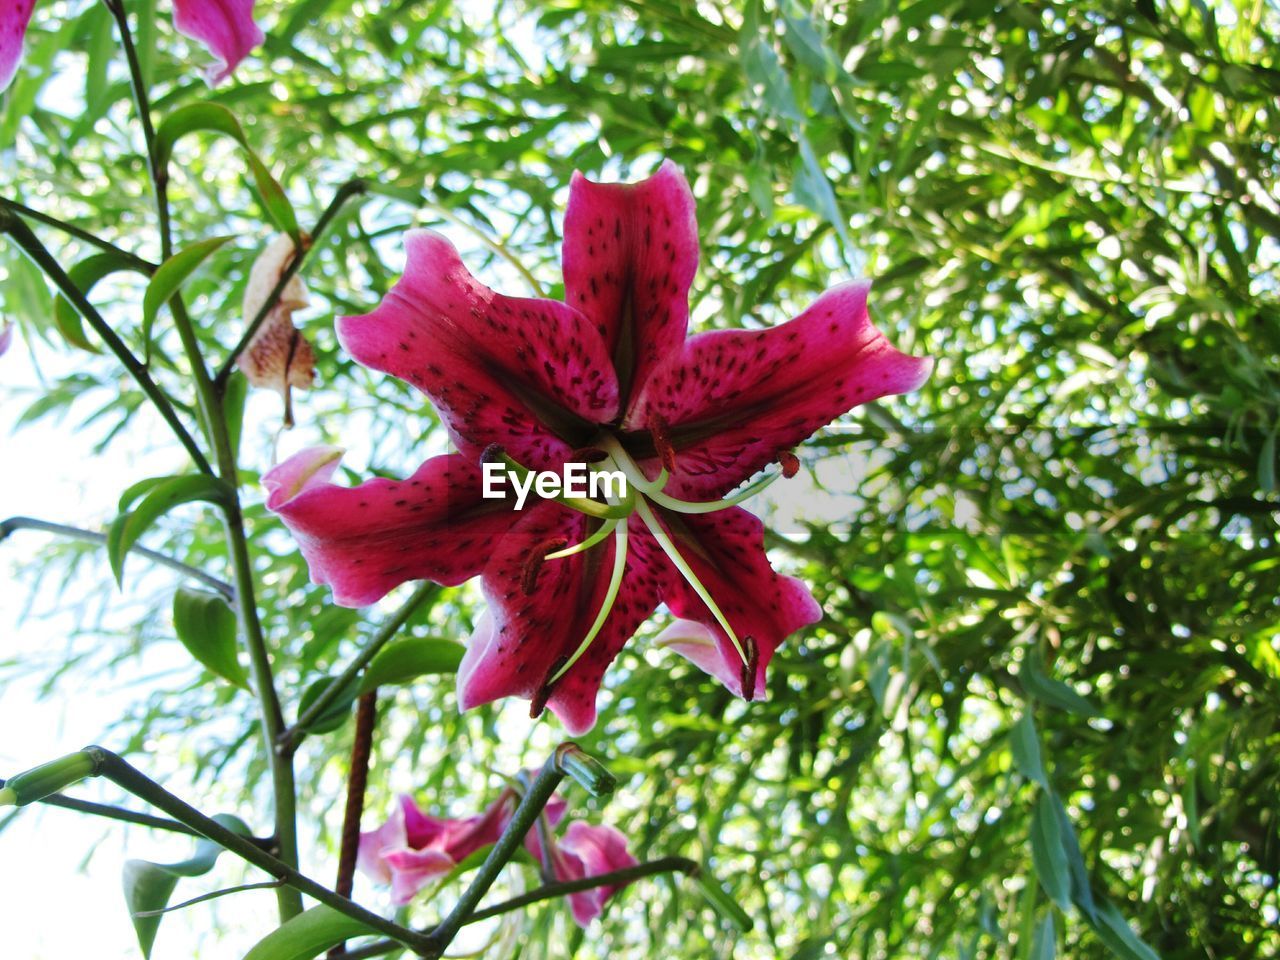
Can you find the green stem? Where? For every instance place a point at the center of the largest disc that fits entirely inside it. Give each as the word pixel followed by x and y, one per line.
pixel 30 244
pixel 281 761
pixel 292 737
pixel 345 192
pixel 522 821
pixel 550 891
pixel 159 175
pixel 116 769
pixel 205 897
pixel 71 230
pixel 90 536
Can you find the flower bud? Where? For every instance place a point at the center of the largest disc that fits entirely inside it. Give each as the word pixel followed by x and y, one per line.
pixel 586 769
pixel 47 779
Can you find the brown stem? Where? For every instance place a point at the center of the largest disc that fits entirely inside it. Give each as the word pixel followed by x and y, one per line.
pixel 357 780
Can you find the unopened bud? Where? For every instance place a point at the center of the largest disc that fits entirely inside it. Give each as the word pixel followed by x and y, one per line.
pixel 589 772
pixel 47 779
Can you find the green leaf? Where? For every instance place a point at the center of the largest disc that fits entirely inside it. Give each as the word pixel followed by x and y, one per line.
pixel 1024 742
pixel 1112 928
pixel 162 496
pixel 404 660
pixel 206 625
pixel 335 715
pixel 148 886
pixel 1043 944
pixel 308 935
pixel 233 404
pixel 214 118
pixel 1052 692
pixel 85 275
pixel 1047 854
pixel 170 278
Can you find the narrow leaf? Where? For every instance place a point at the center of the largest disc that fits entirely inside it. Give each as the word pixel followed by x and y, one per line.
pixel 207 628
pixel 307 935
pixel 148 886
pixel 1024 742
pixel 169 279
pixel 1052 692
pixel 405 660
pixel 1047 853
pixel 334 715
pixel 161 498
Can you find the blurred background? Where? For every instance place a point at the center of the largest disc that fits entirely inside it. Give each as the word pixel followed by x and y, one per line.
pixel 1040 717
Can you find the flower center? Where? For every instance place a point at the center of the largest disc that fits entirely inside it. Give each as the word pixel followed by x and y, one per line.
pixel 642 499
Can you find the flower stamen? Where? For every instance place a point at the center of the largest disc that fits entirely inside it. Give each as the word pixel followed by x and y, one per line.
pixel 750 667
pixel 533 563
pixel 662 444
pixel 790 463
pixel 611 595
pixel 601 532
pixel 686 571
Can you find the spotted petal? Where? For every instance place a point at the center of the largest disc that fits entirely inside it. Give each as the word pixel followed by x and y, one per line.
pixel 630 254
pixel 530 375
pixel 726 551
pixel 523 637
pixel 364 541
pixel 732 400
pixel 14 17
pixel 226 27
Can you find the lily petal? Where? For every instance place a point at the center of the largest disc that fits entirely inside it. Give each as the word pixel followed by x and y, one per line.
pixel 411 870
pixel 630 255
pixel 15 15
pixel 530 375
pixel 6 338
pixel 589 850
pixel 225 27
pixel 364 541
pixel 522 638
pixel 726 551
pixel 732 400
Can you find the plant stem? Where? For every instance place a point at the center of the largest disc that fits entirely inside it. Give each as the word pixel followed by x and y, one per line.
pixel 205 897
pixel 522 821
pixel 90 536
pixel 345 192
pixel 550 891
pixel 159 176
pixel 120 772
pixel 357 781
pixel 71 230
pixel 281 761
pixel 39 255
pixel 292 737
pixel 116 813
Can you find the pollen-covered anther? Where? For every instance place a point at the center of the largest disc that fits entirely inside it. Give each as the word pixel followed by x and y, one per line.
pixel 533 563
pixel 540 697
pixel 493 453
pixel 589 455
pixel 790 464
pixel 662 443
pixel 750 666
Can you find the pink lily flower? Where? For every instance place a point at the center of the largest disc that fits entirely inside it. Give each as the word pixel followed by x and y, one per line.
pixel 588 850
pixel 6 338
pixel 609 375
pixel 413 848
pixel 225 27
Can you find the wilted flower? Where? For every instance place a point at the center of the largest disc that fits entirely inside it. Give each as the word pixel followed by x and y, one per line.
pixel 607 376
pixel 225 27
pixel 278 357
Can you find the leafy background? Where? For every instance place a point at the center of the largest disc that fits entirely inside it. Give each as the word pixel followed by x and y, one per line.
pixel 1041 714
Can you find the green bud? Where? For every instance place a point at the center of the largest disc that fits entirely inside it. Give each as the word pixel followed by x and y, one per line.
pixel 574 762
pixel 48 779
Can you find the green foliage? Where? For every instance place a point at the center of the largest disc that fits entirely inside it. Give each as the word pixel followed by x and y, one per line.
pixel 1039 718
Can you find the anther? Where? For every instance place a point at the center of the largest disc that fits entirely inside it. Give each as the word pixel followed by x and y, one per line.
pixel 662 444
pixel 790 464
pixel 545 689
pixel 493 453
pixel 533 563
pixel 749 668
pixel 590 455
